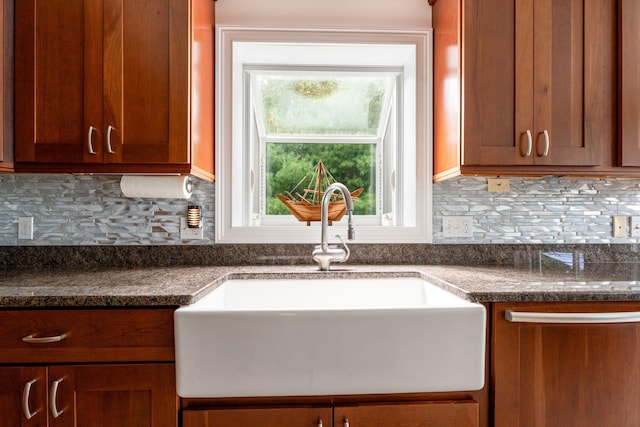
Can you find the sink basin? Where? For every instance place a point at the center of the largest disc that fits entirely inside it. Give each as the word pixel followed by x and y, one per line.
pixel 301 337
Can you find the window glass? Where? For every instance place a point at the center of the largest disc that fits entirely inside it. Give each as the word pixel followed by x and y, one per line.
pixel 322 105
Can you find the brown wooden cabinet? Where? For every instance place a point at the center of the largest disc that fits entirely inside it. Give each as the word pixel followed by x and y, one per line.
pixel 420 414
pixel 629 83
pixel 566 374
pixel 114 86
pixel 264 417
pixel 121 371
pixel 523 87
pixel 6 88
pixel 85 395
pixel 413 414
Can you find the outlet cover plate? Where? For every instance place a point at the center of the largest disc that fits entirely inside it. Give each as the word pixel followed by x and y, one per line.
pixel 457 226
pixel 25 228
pixel 187 233
pixel 619 226
pixel 498 184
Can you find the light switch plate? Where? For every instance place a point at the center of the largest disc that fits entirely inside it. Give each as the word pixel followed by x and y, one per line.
pixel 635 226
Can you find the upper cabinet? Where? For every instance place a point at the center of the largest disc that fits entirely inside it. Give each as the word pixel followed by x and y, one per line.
pixel 114 86
pixel 524 87
pixel 6 88
pixel 629 72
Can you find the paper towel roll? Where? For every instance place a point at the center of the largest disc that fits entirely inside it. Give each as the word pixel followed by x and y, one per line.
pixel 159 187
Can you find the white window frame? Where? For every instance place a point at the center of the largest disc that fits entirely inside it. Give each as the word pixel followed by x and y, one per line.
pixel 237 46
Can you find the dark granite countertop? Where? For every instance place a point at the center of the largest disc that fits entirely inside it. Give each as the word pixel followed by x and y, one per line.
pixel 557 280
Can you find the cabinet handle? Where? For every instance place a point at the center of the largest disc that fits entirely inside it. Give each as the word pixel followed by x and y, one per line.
pixel 109 149
pixel 89 140
pixel 529 143
pixel 43 340
pixel 585 318
pixel 320 422
pixel 54 397
pixel 547 143
pixel 26 392
pixel 346 422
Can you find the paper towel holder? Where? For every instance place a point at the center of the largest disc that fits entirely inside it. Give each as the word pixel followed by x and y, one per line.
pixel 157 186
pixel 194 216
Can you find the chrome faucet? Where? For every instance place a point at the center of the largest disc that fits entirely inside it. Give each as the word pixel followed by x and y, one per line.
pixel 324 254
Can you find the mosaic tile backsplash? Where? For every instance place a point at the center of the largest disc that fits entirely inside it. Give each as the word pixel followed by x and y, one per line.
pixel 90 210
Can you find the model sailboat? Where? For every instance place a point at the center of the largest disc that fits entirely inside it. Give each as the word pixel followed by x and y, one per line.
pixel 306 206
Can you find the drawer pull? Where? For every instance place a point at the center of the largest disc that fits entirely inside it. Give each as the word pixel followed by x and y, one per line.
pixel 89 140
pixel 529 144
pixel 346 422
pixel 320 422
pixel 585 318
pixel 109 148
pixel 26 392
pixel 547 143
pixel 54 397
pixel 43 340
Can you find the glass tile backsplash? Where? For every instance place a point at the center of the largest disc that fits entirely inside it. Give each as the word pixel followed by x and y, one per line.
pixel 90 210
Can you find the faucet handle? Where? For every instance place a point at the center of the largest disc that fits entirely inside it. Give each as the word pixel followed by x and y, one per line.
pixel 346 248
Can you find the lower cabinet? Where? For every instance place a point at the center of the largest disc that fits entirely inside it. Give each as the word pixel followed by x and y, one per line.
pixel 263 417
pixel 566 364
pixel 87 367
pixel 417 414
pixel 88 395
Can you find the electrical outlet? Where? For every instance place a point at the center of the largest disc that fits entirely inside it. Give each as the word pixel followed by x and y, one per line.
pixel 457 226
pixel 25 228
pixel 619 226
pixel 498 184
pixel 187 233
pixel 635 226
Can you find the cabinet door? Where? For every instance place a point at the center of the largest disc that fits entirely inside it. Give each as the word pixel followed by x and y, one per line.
pixel 23 396
pixel 50 80
pixel 539 81
pixel 573 81
pixel 629 93
pixel 263 417
pixel 428 414
pixel 102 82
pixel 146 81
pixel 489 84
pixel 6 87
pixel 113 395
pixel 554 374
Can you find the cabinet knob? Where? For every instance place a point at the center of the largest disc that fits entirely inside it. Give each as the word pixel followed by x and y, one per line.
pixel 346 422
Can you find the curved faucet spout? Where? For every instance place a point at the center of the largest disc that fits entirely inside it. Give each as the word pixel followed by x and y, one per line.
pixel 323 254
pixel 324 213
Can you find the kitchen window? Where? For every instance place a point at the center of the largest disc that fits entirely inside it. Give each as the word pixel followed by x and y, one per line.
pixel 295 106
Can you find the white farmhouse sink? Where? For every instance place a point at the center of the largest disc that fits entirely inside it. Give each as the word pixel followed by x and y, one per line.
pixel 268 337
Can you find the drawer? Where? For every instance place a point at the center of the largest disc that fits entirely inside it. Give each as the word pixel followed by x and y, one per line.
pixel 93 335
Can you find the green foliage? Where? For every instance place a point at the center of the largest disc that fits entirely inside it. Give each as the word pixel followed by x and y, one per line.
pixel 351 164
